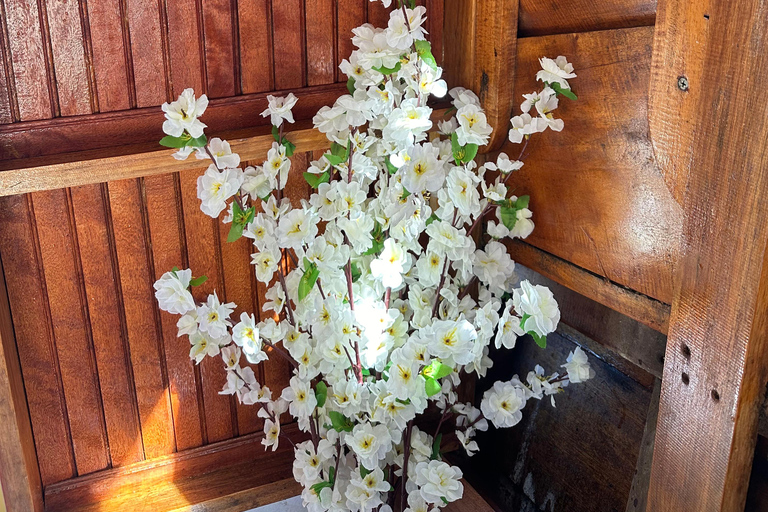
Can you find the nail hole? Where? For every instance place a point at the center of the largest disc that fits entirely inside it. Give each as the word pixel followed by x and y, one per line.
pixel 685 378
pixel 686 351
pixel 715 395
pixel 706 16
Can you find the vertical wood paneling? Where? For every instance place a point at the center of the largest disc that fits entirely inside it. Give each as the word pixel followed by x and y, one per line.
pixel 185 42
pixel 28 59
pixel 378 15
pixel 109 58
pixel 70 329
pixel 166 227
pixel 29 308
pixel 350 14
pixel 219 47
pixel 107 329
pixel 202 242
pixel 139 309
pixel 67 42
pixel 321 41
pixel 435 16
pixel 146 52
pixel 288 33
pixel 255 46
pixel 6 107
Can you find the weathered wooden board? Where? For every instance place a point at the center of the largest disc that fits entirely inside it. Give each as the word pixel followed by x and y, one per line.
pixel 545 17
pixel 597 198
pixel 580 455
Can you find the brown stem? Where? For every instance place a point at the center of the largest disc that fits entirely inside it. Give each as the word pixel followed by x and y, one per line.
pixel 406 456
pixel 336 467
pixel 387 297
pixel 446 265
pixel 287 298
pixel 283 353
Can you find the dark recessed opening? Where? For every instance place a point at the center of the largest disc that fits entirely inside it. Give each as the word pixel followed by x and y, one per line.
pixel 685 378
pixel 715 395
pixel 686 351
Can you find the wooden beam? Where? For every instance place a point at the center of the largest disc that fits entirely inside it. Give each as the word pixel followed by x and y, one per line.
pixel 19 475
pixel 706 54
pixel 638 495
pixel 482 43
pixel 637 306
pixel 546 17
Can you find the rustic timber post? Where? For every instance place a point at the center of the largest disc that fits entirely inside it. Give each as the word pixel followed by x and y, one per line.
pixel 19 473
pixel 709 125
pixel 481 43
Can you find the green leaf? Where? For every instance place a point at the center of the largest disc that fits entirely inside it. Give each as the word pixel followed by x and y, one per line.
pixel 198 281
pixel 351 85
pixel 432 218
pixel 319 486
pixel 364 471
pixel 308 280
pixel 199 142
pixel 508 216
pixel 522 202
pixel 235 232
pixel 174 142
pixel 389 71
pixel 470 151
pixel 525 317
pixel 340 422
pixel 175 269
pixel 376 248
pixel 462 154
pixel 413 3
pixel 424 51
pixel 405 193
pixel 356 273
pixel 540 340
pixel 321 393
pixel 275 133
pixel 290 147
pixel 444 500
pixel 432 387
pixel 340 151
pixel 240 219
pixel 436 447
pixel 436 370
pixel 563 91
pixel 334 160
pixel 390 166
pixel 456 148
pixel 315 180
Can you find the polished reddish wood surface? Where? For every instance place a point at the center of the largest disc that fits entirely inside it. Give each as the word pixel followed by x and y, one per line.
pixel 604 204
pixel 542 17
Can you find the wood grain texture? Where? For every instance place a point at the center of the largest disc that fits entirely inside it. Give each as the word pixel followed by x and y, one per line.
pixel 118 129
pixel 115 376
pixel 638 495
pixel 288 34
pixel 255 46
pixel 349 14
pixel 20 486
pixel 321 37
pixel 185 41
pixel 147 54
pixel 34 336
pixel 72 338
pixel 166 224
pixel 8 111
pixel 109 52
pixel 204 254
pixel 641 308
pixel 715 367
pixel 219 48
pixel 130 232
pixel 546 17
pixel 459 69
pixel 178 480
pixel 603 153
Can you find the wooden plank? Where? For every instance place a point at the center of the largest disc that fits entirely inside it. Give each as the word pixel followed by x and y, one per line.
pixel 716 364
pixel 118 129
pixel 166 224
pixel 589 441
pixel 132 247
pixel 435 21
pixel 757 498
pixel 109 56
pixel 67 44
pixel 378 15
pixel 34 336
pixel 97 259
pixel 321 37
pixel 289 58
pixel 7 108
pixel 69 317
pixel 255 53
pixel 180 479
pixel 249 498
pixel 95 167
pixel 202 240
pixel 459 69
pixel 645 310
pixel 22 19
pixel 604 153
pixel 219 47
pixel 186 61
pixel 546 17
pixel 349 14
pixel 20 486
pixel 146 52
pixel 638 495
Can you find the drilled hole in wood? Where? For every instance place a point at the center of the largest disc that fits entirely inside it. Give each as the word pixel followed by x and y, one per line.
pixel 686 351
pixel 685 378
pixel 715 395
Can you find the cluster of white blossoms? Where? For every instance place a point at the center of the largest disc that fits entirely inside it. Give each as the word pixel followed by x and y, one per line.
pixel 368 281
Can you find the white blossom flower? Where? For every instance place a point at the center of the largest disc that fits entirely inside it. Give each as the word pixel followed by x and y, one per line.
pixel 557 70
pixel 439 482
pixel 453 340
pixel 540 306
pixel 172 292
pixel 424 170
pixel 525 125
pixel 502 403
pixel 279 109
pixel 473 126
pixel 578 367
pixel 215 187
pixel 213 316
pixel 182 115
pixel 391 264
pixel 370 443
pixel 246 334
pixel 222 154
